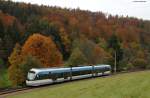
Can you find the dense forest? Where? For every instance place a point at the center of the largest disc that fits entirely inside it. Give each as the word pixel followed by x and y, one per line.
pixel 52 36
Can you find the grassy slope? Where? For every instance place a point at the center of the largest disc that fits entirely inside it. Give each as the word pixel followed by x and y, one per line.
pixel 131 85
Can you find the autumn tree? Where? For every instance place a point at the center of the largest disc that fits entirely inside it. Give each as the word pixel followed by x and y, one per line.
pixel 44 49
pixel 14 72
pixel 66 43
pixel 20 65
pixel 15 56
pixel 134 55
pixel 100 56
pixel 93 52
pixel 140 59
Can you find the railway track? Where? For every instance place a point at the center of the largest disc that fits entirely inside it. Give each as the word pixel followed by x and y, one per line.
pixel 13 90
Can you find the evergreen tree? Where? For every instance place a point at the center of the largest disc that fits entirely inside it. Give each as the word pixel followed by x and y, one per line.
pixel 117 52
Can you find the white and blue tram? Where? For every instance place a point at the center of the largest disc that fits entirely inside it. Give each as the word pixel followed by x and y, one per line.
pixel 42 76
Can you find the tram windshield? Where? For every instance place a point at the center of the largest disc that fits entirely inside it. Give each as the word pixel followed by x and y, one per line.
pixel 31 75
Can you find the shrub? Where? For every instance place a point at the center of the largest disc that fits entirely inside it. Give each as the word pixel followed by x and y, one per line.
pixel 140 63
pixel 4 81
pixel 130 66
pixel 76 58
pixel 28 63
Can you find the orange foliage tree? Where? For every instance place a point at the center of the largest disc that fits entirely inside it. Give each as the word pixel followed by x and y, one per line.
pixel 100 55
pixel 44 49
pixel 19 66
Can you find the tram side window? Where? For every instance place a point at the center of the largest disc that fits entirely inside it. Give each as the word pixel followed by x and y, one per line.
pixel 75 73
pixel 43 75
pixel 84 72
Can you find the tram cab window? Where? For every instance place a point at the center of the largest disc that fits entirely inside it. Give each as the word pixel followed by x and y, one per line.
pixel 31 75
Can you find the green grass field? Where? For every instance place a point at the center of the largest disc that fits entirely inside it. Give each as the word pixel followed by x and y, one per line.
pixel 129 85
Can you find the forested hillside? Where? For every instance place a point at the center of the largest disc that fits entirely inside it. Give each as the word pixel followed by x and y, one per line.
pixel 79 37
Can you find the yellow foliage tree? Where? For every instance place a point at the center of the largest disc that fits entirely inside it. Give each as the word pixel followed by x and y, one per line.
pixel 14 71
pixel 44 49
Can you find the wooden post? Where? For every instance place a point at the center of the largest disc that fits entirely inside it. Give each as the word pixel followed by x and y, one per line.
pixel 115 63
